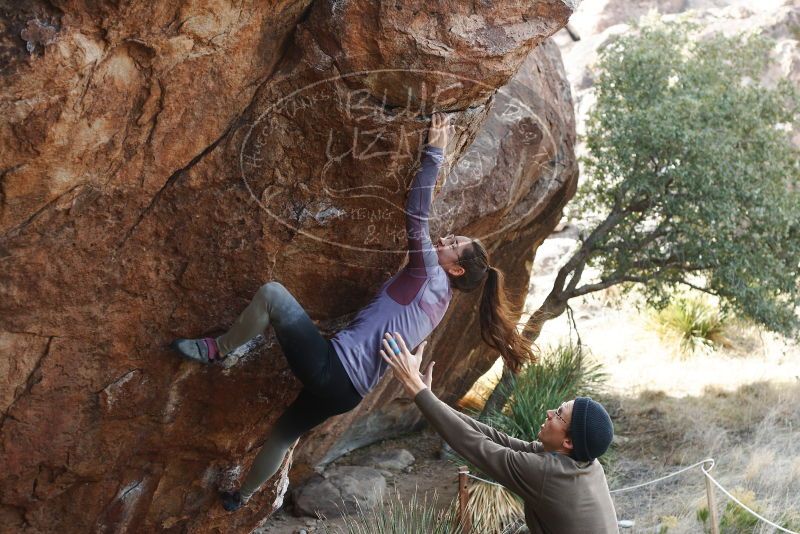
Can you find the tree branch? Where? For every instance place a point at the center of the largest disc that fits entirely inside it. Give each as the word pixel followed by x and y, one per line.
pixel 698 288
pixel 599 286
pixel 577 262
pixel 583 252
pixel 576 277
pixel 605 284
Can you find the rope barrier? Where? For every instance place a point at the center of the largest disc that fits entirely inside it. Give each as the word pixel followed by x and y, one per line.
pixel 702 462
pixel 470 475
pixel 706 473
pixel 740 503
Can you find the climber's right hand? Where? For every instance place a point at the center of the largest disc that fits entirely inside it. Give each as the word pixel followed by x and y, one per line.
pixel 438 132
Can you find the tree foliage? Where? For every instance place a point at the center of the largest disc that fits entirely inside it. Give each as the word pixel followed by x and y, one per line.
pixel 693 175
pixel 692 179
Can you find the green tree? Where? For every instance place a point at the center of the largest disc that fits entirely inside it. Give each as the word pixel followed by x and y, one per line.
pixel 693 179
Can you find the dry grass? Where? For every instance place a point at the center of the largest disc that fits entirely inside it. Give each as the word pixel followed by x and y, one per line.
pixel 398 514
pixel 753 433
pixel 637 359
pixel 494 509
pixel 737 403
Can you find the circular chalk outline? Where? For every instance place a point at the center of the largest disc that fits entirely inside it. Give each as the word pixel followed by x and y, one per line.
pixel 365 73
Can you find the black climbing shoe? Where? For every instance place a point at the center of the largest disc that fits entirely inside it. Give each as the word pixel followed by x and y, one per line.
pixel 231 501
pixel 197 350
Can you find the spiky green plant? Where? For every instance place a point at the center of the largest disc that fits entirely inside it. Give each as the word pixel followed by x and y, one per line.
pixel 703 515
pixel 395 515
pixel 695 323
pixel 737 520
pixel 563 373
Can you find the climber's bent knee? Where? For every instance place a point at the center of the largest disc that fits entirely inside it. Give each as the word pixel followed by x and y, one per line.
pixel 280 303
pixel 272 290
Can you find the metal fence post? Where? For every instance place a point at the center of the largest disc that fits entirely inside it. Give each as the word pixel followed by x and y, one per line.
pixel 465 518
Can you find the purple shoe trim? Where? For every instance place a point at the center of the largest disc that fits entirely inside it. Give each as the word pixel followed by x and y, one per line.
pixel 213 350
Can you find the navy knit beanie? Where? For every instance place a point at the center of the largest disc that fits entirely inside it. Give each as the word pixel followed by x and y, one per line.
pixel 591 429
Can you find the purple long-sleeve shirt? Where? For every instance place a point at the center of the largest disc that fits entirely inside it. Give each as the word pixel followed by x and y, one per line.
pixel 412 302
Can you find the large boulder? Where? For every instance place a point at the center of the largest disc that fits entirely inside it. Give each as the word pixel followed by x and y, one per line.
pixel 507 189
pixel 390 460
pixel 160 161
pixel 340 490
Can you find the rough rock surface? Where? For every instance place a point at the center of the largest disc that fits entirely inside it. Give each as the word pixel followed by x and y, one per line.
pixel 160 161
pixel 394 460
pixel 341 489
pixel 507 189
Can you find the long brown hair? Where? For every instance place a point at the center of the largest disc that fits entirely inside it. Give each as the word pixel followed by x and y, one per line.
pixel 498 327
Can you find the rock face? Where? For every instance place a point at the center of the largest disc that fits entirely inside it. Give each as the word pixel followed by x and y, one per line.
pixel 160 161
pixel 342 489
pixel 507 189
pixel 391 460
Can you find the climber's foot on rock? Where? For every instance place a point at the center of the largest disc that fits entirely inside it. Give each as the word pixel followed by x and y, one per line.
pixel 203 350
pixel 231 500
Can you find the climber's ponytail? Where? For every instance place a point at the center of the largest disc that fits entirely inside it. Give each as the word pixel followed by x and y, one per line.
pixel 498 328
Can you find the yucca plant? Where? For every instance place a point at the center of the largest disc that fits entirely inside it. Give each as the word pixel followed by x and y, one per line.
pixel 494 509
pixel 394 515
pixel 695 323
pixel 563 373
pixel 737 520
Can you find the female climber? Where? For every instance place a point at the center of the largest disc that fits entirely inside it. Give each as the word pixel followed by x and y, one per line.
pixel 337 373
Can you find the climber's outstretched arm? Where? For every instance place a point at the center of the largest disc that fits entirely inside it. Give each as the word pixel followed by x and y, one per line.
pixel 418 204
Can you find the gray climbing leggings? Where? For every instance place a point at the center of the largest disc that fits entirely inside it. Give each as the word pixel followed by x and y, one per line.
pixel 327 389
